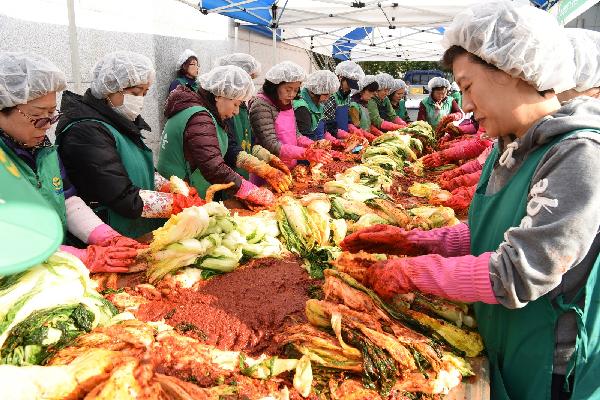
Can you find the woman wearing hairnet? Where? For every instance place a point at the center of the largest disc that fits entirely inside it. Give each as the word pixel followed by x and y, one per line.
pixel 28 87
pixel 397 99
pixel 383 116
pixel 99 138
pixel 318 87
pixel 336 109
pixel 529 257
pixel 239 124
pixel 358 112
pixel 187 71
pixel 273 120
pixel 586 47
pixel 195 145
pixel 438 104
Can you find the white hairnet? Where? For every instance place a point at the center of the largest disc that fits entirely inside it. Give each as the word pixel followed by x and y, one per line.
pixel 385 81
pixel 438 82
pixel 366 81
pixel 521 40
pixel 228 81
pixel 586 46
pixel 121 70
pixel 322 82
pixel 350 70
pixel 242 60
pixel 25 77
pixel 183 57
pixel 286 71
pixel 398 84
pixel 454 86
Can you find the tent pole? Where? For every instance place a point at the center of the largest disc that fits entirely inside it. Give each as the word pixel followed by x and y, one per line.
pixel 274 46
pixel 235 35
pixel 74 46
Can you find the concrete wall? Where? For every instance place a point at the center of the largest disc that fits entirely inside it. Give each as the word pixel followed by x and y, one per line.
pixel 159 29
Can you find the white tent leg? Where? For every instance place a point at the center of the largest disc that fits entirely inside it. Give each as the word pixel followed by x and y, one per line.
pixel 235 35
pixel 74 47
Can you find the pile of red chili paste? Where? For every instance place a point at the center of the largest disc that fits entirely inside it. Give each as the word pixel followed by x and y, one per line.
pixel 241 310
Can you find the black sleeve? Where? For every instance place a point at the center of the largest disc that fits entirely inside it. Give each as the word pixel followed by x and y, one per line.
pixel 89 153
pixel 233 148
pixel 303 120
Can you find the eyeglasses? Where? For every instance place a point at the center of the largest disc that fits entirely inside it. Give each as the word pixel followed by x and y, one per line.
pixel 41 122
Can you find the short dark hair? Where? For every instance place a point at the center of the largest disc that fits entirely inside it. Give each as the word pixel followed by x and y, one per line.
pixel 183 69
pixel 455 51
pixel 270 89
pixel 371 87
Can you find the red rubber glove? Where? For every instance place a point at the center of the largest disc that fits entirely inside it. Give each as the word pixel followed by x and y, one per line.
pixel 181 202
pixel 334 141
pixel 255 195
pixel 462 180
pixel 466 168
pixel 465 278
pixel 375 131
pixel 386 239
pixel 317 156
pixel 342 134
pixel 109 259
pixel 390 126
pixel 399 121
pixel 461 198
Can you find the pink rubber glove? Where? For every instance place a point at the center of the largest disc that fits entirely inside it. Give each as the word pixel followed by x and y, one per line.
pixel 467 127
pixel 104 235
pixel 462 180
pixel 334 141
pixel 374 131
pixel 389 126
pixel 352 128
pixel 465 279
pixel 342 134
pixel 104 259
pixel 399 121
pixel 448 241
pixel 254 194
pixel 463 150
pixel 303 141
pixel 291 152
pixel 466 168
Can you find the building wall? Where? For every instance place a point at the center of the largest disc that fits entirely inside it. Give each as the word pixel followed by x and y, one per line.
pixel 159 29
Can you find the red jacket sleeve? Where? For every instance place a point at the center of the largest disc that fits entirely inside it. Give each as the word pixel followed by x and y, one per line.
pixel 422 116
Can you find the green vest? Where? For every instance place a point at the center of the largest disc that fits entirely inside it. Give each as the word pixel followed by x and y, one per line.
pixel 458 97
pixel 340 100
pixel 434 116
pixel 46 179
pixel 184 82
pixel 365 119
pixel 140 169
pixel 315 110
pixel 520 342
pixel 401 110
pixel 30 229
pixel 171 160
pixel 243 135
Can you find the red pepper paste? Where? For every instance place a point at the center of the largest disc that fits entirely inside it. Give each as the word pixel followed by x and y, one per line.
pixel 241 310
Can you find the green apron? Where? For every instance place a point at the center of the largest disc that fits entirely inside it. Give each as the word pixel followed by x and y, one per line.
pixel 458 97
pixel 140 170
pixel 243 135
pixel 171 160
pixel 433 117
pixel 47 179
pixel 30 229
pixel 186 83
pixel 365 119
pixel 401 110
pixel 520 342
pixel 317 124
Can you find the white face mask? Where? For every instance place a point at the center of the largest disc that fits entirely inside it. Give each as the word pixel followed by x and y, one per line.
pixel 131 107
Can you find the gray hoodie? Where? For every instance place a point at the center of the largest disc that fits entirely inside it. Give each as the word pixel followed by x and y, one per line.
pixel 554 248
